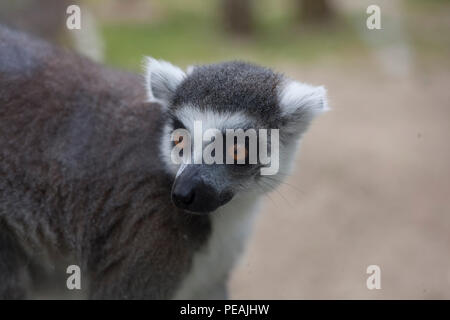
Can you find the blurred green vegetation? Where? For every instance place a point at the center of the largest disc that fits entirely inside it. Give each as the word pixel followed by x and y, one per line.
pixel 193 33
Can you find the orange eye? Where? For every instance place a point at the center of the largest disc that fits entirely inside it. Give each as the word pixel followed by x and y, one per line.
pixel 179 141
pixel 238 152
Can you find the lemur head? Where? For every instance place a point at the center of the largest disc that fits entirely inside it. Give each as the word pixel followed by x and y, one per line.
pixel 213 99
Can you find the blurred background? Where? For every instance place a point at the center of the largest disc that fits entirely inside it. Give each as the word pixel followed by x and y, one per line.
pixel 372 184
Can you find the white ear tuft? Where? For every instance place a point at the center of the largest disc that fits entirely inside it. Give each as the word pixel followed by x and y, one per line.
pixel 162 79
pixel 189 69
pixel 300 103
pixel 300 98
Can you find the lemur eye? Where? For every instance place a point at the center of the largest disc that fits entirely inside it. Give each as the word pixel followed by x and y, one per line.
pixel 179 142
pixel 238 151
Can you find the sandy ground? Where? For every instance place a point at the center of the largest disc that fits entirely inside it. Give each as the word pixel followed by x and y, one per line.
pixel 371 186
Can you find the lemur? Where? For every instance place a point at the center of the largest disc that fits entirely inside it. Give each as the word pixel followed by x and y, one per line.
pixel 86 176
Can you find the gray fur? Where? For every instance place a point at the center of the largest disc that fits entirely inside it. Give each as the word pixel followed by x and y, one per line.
pixel 232 87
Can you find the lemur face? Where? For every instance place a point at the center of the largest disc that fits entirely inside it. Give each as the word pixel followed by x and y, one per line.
pixel 211 105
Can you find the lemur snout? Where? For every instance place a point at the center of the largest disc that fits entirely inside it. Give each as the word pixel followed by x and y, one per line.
pixel 190 192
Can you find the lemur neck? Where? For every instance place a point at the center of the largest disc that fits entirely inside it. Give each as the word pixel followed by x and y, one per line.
pixel 212 264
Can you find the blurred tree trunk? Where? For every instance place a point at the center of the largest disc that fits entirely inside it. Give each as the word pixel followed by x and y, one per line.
pixel 237 16
pixel 315 11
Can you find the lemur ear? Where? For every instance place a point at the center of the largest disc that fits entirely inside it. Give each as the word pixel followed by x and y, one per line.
pixel 300 103
pixel 190 69
pixel 162 79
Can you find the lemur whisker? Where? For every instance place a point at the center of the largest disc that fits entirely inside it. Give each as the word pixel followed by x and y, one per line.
pixel 295 188
pixel 266 194
pixel 279 193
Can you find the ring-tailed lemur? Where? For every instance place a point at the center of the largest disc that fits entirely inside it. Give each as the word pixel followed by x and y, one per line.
pixel 86 175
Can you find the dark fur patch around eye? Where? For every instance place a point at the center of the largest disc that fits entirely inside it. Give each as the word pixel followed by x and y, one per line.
pixel 177 124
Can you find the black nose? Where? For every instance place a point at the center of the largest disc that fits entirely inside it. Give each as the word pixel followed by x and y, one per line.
pixel 183 196
pixel 191 193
